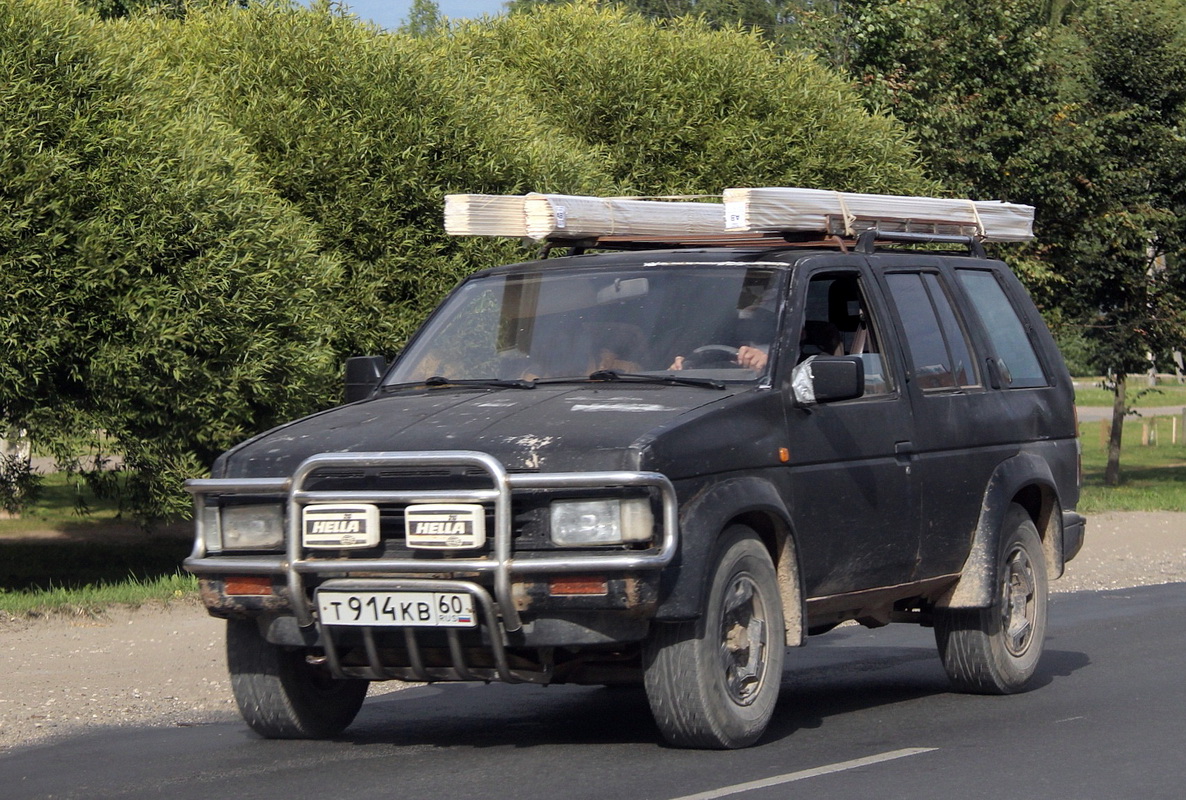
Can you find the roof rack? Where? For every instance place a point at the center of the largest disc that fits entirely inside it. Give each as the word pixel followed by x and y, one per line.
pixel 749 240
pixel 866 242
pixel 747 216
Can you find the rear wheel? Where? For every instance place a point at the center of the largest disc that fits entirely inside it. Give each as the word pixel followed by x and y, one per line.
pixel 280 694
pixel 995 650
pixel 713 682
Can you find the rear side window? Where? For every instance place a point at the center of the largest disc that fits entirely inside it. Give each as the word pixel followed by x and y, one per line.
pixel 938 346
pixel 1020 365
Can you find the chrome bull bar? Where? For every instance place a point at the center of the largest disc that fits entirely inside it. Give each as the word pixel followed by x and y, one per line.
pixel 500 562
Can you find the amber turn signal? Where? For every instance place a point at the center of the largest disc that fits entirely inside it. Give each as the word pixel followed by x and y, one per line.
pixel 249 584
pixel 578 584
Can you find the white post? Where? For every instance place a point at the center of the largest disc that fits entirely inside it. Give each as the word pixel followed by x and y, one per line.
pixel 16 443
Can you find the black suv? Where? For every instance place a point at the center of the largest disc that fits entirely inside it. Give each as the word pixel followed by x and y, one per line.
pixel 658 466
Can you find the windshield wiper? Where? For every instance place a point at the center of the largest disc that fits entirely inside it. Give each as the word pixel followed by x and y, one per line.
pixel 440 380
pixel 497 383
pixel 671 380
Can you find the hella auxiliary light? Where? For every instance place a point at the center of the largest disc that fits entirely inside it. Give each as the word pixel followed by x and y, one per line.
pixel 334 526
pixel 577 523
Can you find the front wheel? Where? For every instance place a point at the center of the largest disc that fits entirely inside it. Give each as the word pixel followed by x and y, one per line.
pixel 713 682
pixel 281 695
pixel 995 650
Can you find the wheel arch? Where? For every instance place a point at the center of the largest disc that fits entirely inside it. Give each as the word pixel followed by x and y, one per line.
pixel 750 501
pixel 1024 480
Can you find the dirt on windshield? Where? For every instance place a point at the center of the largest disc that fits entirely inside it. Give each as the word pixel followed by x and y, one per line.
pixel 164 665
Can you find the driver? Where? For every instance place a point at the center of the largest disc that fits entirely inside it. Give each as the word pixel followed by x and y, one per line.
pixel 749 356
pixel 754 333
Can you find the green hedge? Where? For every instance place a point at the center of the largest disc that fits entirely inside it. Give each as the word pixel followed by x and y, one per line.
pixel 156 286
pixel 200 217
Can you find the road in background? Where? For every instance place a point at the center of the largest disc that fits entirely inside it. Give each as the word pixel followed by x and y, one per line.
pixel 1097 413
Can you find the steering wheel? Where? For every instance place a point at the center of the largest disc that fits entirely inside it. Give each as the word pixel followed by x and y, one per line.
pixel 712 356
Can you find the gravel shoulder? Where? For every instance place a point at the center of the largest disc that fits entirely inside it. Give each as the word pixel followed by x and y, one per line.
pixel 164 666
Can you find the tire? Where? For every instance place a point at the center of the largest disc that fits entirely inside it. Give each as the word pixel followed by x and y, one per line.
pixel 281 695
pixel 995 650
pixel 713 682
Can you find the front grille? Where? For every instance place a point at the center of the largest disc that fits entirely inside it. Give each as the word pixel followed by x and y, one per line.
pixel 403 479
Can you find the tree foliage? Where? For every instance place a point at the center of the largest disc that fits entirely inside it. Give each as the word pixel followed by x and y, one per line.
pixel 424 18
pixel 1130 261
pixel 988 90
pixel 679 107
pixel 1076 109
pixel 1131 285
pixel 154 285
pixel 176 9
pixel 200 215
pixel 364 133
pixel 772 17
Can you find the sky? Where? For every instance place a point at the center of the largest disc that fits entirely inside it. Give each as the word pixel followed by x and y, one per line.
pixel 390 13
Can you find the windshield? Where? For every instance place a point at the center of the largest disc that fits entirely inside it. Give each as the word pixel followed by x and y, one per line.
pixel 699 320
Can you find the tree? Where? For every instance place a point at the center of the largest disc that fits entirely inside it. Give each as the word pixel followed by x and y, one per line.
pixel 775 18
pixel 987 91
pixel 365 132
pixel 424 17
pixel 155 288
pixel 1129 262
pixel 679 107
pixel 176 9
pixel 1075 110
pixel 199 218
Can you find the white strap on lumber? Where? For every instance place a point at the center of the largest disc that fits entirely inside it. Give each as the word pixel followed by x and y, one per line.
pixel 789 209
pixel 559 216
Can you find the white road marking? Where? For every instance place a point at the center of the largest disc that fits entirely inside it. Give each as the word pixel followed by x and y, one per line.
pixel 791 777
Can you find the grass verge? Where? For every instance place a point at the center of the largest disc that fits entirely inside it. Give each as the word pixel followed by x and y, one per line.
pixel 1153 477
pixel 91 599
pixel 57 509
pixel 53 560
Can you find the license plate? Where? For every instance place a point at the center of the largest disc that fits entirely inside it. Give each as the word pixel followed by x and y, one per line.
pixel 403 609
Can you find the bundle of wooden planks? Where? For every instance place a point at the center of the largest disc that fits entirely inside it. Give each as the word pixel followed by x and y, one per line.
pixel 744 210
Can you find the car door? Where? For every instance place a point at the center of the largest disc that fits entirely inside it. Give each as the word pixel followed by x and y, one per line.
pixel 962 433
pixel 854 502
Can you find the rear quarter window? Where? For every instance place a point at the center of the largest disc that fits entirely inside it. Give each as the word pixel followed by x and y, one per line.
pixel 1006 332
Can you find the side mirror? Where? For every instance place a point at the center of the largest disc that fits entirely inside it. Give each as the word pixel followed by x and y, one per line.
pixel 362 376
pixel 826 379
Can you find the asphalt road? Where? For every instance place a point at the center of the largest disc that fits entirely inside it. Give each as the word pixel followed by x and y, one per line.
pixel 863 714
pixel 1098 413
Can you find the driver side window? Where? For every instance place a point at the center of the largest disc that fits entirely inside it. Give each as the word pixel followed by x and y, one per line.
pixel 839 322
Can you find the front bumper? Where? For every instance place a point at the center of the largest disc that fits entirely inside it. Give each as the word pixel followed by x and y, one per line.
pixel 490 578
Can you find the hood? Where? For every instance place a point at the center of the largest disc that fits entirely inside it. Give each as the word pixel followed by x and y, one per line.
pixel 548 429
